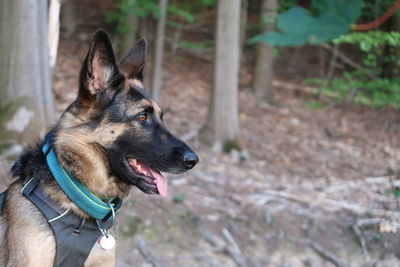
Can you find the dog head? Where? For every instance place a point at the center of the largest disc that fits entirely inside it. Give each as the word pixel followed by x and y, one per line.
pixel 114 122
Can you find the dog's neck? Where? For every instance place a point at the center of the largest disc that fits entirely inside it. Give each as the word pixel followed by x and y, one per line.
pixel 87 162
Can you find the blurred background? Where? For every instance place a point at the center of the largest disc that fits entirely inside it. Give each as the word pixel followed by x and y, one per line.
pixel 292 106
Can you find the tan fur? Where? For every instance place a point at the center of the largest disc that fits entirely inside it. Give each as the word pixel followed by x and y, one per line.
pixel 136 82
pixel 89 163
pixel 26 238
pixel 100 258
pixel 30 241
pixel 28 234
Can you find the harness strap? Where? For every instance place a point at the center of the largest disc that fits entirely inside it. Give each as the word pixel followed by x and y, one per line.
pixel 74 236
pixel 33 192
pixel 2 200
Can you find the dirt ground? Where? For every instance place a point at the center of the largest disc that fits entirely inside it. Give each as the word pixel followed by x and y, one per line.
pixel 311 187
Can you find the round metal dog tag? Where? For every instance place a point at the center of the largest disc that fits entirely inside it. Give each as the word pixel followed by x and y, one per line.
pixel 106 242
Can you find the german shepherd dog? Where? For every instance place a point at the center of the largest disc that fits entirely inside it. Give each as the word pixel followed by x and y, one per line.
pixel 111 137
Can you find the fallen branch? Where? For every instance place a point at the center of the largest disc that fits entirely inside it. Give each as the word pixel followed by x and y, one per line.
pixel 189 135
pixel 378 21
pixel 326 254
pixel 368 222
pixel 215 241
pixel 347 60
pixel 332 64
pixel 365 181
pixel 146 252
pixel 294 87
pixel 363 243
pixel 332 205
pixel 233 249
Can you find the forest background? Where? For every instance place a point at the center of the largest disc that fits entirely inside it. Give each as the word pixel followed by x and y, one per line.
pixel 292 105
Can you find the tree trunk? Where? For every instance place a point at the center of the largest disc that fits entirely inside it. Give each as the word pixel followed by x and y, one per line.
pixel 263 72
pixel 243 25
pixel 54 30
pixel 131 36
pixel 69 17
pixel 126 41
pixel 26 102
pixel 159 52
pixel 222 128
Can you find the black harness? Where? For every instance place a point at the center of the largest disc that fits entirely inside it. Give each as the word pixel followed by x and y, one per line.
pixel 74 236
pixel 2 200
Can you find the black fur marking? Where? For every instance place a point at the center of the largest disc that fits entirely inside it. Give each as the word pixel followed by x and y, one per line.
pixel 31 164
pixel 133 63
pixel 99 60
pixel 148 141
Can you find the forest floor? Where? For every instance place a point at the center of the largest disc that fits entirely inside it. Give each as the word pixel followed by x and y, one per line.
pixel 313 187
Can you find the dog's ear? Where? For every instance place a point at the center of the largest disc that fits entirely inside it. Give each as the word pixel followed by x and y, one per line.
pixel 133 63
pixel 100 76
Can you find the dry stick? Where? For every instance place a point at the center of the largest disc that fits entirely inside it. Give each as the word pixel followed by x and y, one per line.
pixel 216 242
pixel 360 236
pixel 365 181
pixel 368 222
pixel 348 61
pixel 332 205
pixel 189 135
pixel 294 86
pixel 146 252
pixel 233 249
pixel 394 190
pixel 332 64
pixel 326 254
pixel 53 31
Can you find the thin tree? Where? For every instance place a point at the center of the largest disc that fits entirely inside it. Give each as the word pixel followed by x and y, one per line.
pixel 131 37
pixel 26 101
pixel 263 71
pixel 54 30
pixel 222 127
pixel 159 52
pixel 243 25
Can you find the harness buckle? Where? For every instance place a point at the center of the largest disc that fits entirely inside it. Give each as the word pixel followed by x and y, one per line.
pixel 106 223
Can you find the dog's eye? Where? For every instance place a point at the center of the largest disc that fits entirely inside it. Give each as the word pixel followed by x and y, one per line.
pixel 142 117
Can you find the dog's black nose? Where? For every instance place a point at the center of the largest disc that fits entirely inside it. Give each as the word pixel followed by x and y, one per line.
pixel 190 159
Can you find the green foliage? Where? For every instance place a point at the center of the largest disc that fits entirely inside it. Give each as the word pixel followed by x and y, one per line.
pixel 379 50
pixel 326 20
pixel 396 192
pixel 194 7
pixel 119 16
pixel 231 144
pixel 355 86
pixel 178 199
pixel 315 105
pixel 378 82
pixel 284 5
pixel 370 40
pixel 145 8
pixel 374 9
pixel 183 11
pixel 204 45
pixel 183 14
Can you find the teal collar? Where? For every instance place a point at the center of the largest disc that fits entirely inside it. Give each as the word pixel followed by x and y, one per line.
pixel 77 192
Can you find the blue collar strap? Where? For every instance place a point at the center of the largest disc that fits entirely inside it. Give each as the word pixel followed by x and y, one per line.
pixel 77 192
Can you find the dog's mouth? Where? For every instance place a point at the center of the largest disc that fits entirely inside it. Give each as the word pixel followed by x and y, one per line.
pixel 153 180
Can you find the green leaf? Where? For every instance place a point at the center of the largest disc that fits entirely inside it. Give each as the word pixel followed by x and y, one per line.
pixel 298 26
pixel 396 193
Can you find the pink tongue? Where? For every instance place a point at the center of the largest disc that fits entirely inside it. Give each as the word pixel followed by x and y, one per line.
pixel 162 183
